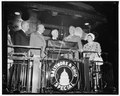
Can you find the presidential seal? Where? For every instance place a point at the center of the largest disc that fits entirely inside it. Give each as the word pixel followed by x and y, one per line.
pixel 64 75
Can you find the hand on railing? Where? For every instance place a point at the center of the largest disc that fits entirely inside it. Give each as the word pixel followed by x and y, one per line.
pixel 81 50
pixel 43 55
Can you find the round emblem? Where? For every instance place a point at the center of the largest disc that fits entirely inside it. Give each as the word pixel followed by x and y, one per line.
pixel 64 75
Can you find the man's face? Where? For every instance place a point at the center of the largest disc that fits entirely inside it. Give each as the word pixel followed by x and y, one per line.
pixel 41 28
pixel 71 30
pixel 26 26
pixel 55 34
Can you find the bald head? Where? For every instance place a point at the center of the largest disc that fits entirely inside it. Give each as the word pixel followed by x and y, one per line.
pixel 78 32
pixel 55 34
pixel 25 26
pixel 40 28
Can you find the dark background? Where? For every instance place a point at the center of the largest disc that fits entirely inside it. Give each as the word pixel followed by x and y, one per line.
pixel 108 34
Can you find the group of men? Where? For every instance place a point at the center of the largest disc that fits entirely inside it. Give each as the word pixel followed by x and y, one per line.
pixel 36 39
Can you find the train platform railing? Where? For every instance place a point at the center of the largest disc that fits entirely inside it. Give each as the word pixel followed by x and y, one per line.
pixel 19 69
pixel 25 85
pixel 93 71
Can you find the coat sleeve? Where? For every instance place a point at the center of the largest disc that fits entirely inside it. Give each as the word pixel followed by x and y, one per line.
pixel 44 44
pixel 32 40
pixel 43 48
pixel 31 43
pixel 80 44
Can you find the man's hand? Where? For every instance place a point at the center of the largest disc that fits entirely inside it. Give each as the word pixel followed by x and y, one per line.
pixel 43 55
pixel 62 42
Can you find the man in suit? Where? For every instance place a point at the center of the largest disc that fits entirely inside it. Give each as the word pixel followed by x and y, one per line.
pixel 73 37
pixel 37 40
pixel 20 39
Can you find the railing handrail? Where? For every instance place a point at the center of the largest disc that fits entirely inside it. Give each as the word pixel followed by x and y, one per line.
pixel 94 52
pixel 20 46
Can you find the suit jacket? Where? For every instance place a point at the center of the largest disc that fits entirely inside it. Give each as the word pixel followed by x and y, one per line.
pixel 75 38
pixel 21 39
pixel 37 40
